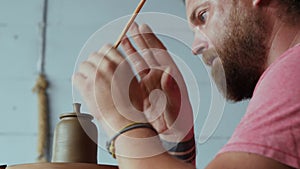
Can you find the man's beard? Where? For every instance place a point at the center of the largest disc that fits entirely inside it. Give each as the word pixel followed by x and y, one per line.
pixel 242 54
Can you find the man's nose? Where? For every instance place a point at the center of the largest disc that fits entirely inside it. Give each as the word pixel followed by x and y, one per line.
pixel 200 43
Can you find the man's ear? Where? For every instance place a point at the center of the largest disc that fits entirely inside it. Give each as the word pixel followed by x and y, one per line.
pixel 257 3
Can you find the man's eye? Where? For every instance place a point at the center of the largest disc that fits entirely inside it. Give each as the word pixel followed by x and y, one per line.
pixel 202 16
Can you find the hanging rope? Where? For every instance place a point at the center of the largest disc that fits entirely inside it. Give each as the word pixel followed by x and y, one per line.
pixel 41 90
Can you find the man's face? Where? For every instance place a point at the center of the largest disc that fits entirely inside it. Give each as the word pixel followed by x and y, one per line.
pixel 231 36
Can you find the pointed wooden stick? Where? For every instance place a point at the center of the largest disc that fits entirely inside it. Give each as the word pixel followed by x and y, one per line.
pixel 129 23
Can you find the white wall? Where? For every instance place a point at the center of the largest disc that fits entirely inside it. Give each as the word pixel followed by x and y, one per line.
pixel 70 24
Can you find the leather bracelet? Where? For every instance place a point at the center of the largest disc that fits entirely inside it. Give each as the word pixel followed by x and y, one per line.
pixel 110 145
pixel 185 156
pixel 185 151
pixel 179 147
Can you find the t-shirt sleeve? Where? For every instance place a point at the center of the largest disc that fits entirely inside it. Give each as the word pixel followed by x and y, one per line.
pixel 271 125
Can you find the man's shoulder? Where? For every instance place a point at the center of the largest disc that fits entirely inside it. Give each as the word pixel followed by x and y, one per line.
pixel 288 60
pixel 282 75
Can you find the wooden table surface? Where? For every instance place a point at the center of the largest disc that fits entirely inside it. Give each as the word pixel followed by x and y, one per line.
pixel 61 166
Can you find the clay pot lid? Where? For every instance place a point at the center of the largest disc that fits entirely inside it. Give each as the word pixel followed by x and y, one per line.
pixel 90 117
pixel 76 113
pixel 61 166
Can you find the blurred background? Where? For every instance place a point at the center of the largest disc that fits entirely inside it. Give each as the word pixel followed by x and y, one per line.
pixel 69 24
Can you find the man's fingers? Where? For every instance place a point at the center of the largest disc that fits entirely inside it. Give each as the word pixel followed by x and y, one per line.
pixel 137 37
pixel 127 46
pixel 106 67
pixel 111 53
pixel 168 83
pixel 95 58
pixel 100 63
pixel 149 58
pixel 135 58
pixel 78 80
pixel 146 39
pixel 83 79
pixel 150 38
pixel 87 69
pixel 143 46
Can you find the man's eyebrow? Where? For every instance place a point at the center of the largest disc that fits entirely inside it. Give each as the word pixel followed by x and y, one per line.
pixel 192 16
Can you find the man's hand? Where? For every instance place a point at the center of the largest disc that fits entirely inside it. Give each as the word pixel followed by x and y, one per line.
pixel 165 98
pixel 100 81
pixel 116 98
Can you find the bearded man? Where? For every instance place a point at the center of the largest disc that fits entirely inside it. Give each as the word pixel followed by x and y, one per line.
pixel 253 49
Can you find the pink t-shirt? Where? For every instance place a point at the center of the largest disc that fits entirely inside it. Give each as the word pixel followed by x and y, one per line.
pixel 271 125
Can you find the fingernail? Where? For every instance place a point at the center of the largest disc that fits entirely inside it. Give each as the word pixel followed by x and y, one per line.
pixel 133 28
pixel 144 28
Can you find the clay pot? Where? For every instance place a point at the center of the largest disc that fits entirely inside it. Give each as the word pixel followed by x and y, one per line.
pixel 61 166
pixel 71 143
pixel 2 166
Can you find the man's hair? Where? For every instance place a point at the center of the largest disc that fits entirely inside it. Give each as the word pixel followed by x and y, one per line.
pixel 289 11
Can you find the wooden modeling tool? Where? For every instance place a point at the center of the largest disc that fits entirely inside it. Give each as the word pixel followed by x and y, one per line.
pixel 129 23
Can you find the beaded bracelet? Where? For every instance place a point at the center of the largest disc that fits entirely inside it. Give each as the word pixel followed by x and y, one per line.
pixel 110 145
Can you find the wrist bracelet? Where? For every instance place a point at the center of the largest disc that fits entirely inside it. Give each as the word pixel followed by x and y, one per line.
pixel 189 155
pixel 185 151
pixel 179 147
pixel 110 145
